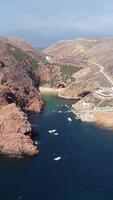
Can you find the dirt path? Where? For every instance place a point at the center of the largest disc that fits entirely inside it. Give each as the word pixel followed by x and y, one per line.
pixel 102 71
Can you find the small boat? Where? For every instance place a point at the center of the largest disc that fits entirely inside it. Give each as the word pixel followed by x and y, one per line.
pixel 60 111
pixel 56 134
pixel 69 119
pixel 36 142
pixel 52 131
pixel 57 158
pixel 68 111
pixel 66 106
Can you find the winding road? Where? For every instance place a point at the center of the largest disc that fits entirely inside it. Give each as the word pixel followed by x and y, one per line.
pixel 102 71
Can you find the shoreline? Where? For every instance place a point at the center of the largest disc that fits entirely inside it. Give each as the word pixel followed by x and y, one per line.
pixel 50 90
pixel 100 119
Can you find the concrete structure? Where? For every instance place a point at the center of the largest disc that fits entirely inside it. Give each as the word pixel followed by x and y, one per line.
pixel 87 104
pixel 105 92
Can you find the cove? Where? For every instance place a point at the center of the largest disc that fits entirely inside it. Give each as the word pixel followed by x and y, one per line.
pixel 84 172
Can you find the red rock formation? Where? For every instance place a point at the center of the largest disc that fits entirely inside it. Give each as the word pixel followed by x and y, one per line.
pixel 20 68
pixel 15 132
pixel 35 105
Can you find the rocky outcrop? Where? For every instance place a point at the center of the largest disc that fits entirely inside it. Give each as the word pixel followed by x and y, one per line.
pixel 18 86
pixel 15 131
pixel 77 90
pixel 19 93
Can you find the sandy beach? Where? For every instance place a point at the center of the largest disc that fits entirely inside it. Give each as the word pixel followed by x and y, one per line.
pixel 50 90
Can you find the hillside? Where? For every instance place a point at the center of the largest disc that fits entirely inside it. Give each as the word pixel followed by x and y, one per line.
pixel 93 56
pixel 93 83
pixel 81 51
pixel 70 51
pixel 20 68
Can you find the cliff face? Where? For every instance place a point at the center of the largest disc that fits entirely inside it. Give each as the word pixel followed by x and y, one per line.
pixel 15 132
pixel 18 87
pixel 19 92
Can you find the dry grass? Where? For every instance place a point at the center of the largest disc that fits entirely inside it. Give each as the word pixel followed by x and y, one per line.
pixel 104 118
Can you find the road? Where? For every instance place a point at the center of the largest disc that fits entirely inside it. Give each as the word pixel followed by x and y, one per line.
pixel 102 71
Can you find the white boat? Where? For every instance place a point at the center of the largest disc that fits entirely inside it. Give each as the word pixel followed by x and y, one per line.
pixel 52 131
pixel 56 134
pixel 69 119
pixel 57 158
pixel 60 111
pixel 36 142
pixel 68 111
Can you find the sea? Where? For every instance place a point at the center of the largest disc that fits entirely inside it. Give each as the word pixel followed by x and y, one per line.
pixel 75 160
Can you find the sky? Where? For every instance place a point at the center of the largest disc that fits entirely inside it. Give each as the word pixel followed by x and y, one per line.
pixel 44 22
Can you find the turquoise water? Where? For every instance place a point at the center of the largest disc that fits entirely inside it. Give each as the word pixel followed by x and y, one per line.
pixel 85 171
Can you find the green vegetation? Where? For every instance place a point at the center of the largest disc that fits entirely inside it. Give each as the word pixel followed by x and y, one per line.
pixel 64 76
pixel 20 56
pixel 49 64
pixel 72 79
pixel 69 70
pixel 54 81
pixel 42 82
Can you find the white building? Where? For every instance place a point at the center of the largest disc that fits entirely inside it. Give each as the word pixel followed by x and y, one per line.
pixel 86 104
pixel 48 58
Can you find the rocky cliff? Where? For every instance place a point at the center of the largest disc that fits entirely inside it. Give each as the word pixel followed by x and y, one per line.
pixel 15 132
pixel 20 69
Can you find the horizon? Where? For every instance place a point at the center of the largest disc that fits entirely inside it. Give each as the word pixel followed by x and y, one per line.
pixel 66 40
pixel 45 22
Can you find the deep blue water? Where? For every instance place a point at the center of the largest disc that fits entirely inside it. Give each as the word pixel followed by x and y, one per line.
pixel 85 171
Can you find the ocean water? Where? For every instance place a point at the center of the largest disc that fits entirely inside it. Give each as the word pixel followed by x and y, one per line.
pixel 84 172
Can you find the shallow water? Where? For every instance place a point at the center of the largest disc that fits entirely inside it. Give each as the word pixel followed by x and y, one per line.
pixel 85 171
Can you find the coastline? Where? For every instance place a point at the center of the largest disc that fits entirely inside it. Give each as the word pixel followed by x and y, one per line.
pixel 98 119
pixel 101 119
